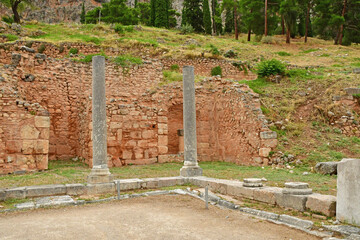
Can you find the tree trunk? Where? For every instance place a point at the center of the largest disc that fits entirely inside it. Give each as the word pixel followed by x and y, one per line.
pixel 282 25
pixel 14 8
pixel 213 16
pixel 249 34
pixel 266 24
pixel 288 32
pixel 235 23
pixel 307 21
pixel 342 25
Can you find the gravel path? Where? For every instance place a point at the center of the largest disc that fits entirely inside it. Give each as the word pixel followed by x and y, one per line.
pixel 155 217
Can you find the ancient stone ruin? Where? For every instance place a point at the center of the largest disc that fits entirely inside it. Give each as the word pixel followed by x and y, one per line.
pixel 45 106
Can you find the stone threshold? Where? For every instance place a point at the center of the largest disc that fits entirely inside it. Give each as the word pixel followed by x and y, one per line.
pixel 324 204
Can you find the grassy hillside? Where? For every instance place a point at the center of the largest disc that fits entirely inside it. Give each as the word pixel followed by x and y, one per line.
pixel 301 101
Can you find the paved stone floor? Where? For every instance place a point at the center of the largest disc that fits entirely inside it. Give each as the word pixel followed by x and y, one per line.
pixel 155 217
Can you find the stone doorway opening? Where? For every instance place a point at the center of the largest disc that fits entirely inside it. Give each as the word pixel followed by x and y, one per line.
pixel 175 126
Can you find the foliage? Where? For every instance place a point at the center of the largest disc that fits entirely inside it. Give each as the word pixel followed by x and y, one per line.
pixel 186 29
pixel 174 67
pixel 11 37
pixel 41 48
pixel 116 11
pixel 283 54
pixel 267 40
pixel 270 67
pixel 8 19
pixel 192 14
pixel 206 17
pixel 162 14
pixel 83 14
pixel 74 51
pixel 216 71
pixel 127 60
pixel 144 13
pixel 16 6
pixel 171 76
pixel 88 58
pixel 214 50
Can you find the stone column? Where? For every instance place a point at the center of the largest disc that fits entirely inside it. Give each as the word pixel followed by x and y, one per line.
pixel 190 168
pixel 348 191
pixel 100 172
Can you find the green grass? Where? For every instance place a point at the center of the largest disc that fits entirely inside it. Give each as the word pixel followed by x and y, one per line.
pixel 127 60
pixel 63 172
pixel 172 76
pixel 259 85
pixel 11 37
pixel 283 54
pixel 310 50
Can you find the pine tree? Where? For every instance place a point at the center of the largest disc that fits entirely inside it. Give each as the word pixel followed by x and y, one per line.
pixel 206 17
pixel 135 3
pixel 162 14
pixel 152 12
pixel 192 14
pixel 216 17
pixel 83 13
pixel 289 9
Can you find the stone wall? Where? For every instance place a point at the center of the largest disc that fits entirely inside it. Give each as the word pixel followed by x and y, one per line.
pixel 24 132
pixel 143 116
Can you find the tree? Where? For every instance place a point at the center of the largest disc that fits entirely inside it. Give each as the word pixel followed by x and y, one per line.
pixel 192 14
pixel 216 17
pixel 206 17
pixel 15 5
pixel 253 16
pixel 233 6
pixel 289 9
pixel 162 13
pixel 152 12
pixel 144 13
pixel 83 13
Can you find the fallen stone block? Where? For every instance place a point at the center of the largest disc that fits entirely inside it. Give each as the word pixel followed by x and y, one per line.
pixel 342 229
pixel 326 168
pixel 45 190
pixel 238 190
pixel 200 181
pixel 75 189
pixel 25 205
pixel 296 221
pixel 100 188
pixel 149 183
pixel 130 184
pixel 54 201
pixel 324 204
pixel 170 181
pixel 266 194
pixel 19 192
pixel 217 185
pixel 297 202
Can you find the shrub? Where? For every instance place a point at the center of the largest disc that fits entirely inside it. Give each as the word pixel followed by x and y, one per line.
pixel 129 28
pixel 230 54
pixel 186 29
pixel 119 29
pixel 74 51
pixel 216 71
pixel 88 58
pixel 41 48
pixel 258 38
pixel 283 54
pixel 214 50
pixel 174 67
pixel 172 76
pixel 7 19
pixel 267 40
pixel 127 60
pixel 61 48
pixel 270 67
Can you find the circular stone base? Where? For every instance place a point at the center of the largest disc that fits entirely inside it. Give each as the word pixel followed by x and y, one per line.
pixel 296 185
pixel 293 191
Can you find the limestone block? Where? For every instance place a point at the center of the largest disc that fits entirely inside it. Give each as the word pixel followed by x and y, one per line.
pixel 199 181
pixel 264 152
pixel 75 189
pixel 163 149
pixel 169 181
pixel 150 183
pixel 13 146
pixel 163 158
pixel 296 221
pixel 29 132
pixel 130 184
pixel 28 146
pixel 42 146
pixel 238 190
pixel 297 202
pixel 146 134
pixel 163 140
pixel 42 122
pixel 268 135
pixel 2 195
pixel 266 194
pixel 19 192
pixel 270 143
pixel 326 167
pixel 45 190
pixel 324 204
pixel 127 154
pixel 100 188
pixel 348 191
pixel 41 161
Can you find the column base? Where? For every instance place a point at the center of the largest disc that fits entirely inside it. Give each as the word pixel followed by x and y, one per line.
pixel 191 171
pixel 100 175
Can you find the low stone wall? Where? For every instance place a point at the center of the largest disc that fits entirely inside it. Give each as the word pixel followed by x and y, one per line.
pixel 318 203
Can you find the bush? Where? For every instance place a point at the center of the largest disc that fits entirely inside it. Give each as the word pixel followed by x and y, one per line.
pixel 127 60
pixel 11 37
pixel 216 71
pixel 267 40
pixel 119 29
pixel 186 29
pixel 175 67
pixel 258 38
pixel 283 54
pixel 41 48
pixel 7 19
pixel 129 28
pixel 74 51
pixel 230 54
pixel 214 50
pixel 270 67
pixel 88 58
pixel 61 48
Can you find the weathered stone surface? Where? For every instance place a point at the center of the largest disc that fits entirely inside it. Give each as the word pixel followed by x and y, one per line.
pixel 266 194
pixel 16 192
pixel 45 190
pixel 297 188
pixel 324 204
pixel 27 49
pixel 54 201
pixel 297 202
pixel 343 229
pixel 129 184
pixel 356 70
pixel 75 189
pixel 326 168
pixel 29 132
pixel 296 185
pixel 348 191
pixel 42 122
pixel 100 188
pixel 2 195
pixel 263 214
pixel 296 221
pixel 190 168
pixel 352 91
pixel 25 205
pixel 268 135
pixel 15 59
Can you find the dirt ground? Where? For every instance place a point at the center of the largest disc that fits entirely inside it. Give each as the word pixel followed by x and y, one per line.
pixel 156 217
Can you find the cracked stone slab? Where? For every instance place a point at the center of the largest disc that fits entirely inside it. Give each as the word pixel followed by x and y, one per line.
pixel 25 205
pixel 54 201
pixel 343 229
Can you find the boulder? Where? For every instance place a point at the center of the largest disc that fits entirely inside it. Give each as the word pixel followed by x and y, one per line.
pixel 326 168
